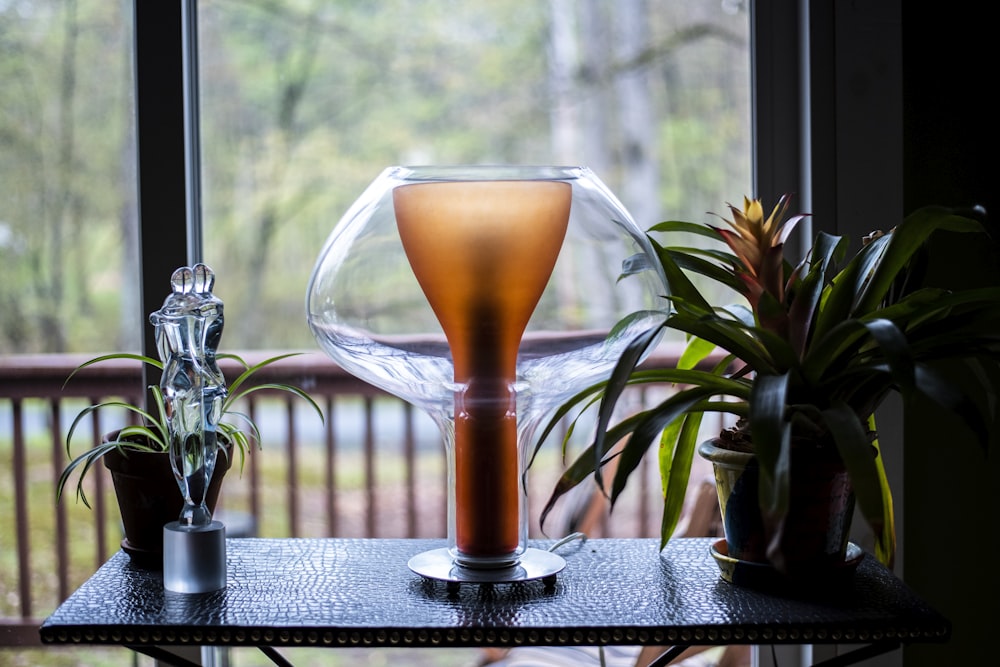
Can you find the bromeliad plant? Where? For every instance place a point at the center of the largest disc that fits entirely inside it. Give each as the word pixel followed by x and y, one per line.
pixel 152 434
pixel 811 353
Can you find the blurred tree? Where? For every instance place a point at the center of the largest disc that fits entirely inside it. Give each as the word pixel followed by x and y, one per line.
pixel 304 102
pixel 63 119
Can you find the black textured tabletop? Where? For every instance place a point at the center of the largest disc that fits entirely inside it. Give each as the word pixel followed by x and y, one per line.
pixel 358 592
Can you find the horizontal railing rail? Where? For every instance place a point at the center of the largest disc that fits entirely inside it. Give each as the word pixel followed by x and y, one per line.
pixel 372 467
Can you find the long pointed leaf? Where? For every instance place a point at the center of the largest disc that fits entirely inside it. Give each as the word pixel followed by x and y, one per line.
pixel 906 240
pixel 855 449
pixel 93 408
pixel 683 226
pixel 654 421
pixel 234 387
pixel 722 270
pixel 895 349
pixel 762 350
pixel 283 387
pixel 108 357
pixel 885 541
pixel 680 285
pixel 938 389
pixel 588 397
pixel 630 357
pixel 839 298
pixel 809 291
pixel 772 447
pixel 676 477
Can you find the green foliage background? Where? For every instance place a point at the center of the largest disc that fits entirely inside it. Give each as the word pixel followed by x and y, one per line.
pixel 303 103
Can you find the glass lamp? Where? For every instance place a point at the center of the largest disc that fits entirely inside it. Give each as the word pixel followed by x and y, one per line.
pixel 486 296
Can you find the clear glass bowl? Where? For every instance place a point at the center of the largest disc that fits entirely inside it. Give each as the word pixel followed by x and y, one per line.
pixel 479 232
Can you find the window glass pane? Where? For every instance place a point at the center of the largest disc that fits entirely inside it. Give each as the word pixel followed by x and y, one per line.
pixel 304 102
pixel 68 264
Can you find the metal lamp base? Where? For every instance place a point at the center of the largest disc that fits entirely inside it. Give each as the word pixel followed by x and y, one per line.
pixel 533 564
pixel 194 559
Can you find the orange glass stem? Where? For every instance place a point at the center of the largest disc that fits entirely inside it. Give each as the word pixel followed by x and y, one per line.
pixel 483 252
pixel 486 471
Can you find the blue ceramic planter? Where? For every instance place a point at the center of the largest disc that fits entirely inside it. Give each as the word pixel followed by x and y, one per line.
pixel 815 533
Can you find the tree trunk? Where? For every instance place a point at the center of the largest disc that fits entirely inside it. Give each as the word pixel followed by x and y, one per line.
pixel 564 108
pixel 637 127
pixel 50 267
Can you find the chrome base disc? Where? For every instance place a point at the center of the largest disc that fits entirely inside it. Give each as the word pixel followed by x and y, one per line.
pixel 533 564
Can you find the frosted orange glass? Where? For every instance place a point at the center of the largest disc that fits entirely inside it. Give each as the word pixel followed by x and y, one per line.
pixel 483 252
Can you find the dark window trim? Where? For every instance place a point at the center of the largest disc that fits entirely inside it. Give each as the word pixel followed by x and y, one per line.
pixel 168 138
pixel 167 202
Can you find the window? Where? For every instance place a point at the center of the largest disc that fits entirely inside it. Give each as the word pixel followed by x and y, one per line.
pixel 68 218
pixel 301 105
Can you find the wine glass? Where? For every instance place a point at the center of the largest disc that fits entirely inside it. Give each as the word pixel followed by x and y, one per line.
pixel 486 296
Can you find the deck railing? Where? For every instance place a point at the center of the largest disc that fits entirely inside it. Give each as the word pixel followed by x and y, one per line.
pixel 373 467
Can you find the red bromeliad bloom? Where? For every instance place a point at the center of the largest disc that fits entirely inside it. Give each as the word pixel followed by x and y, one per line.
pixel 759 242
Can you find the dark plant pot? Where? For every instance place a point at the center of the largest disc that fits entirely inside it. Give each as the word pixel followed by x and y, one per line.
pixel 149 497
pixel 821 505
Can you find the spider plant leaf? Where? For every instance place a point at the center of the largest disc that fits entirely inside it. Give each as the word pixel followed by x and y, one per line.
pixel 235 431
pixel 134 435
pixel 161 423
pixel 239 438
pixel 234 387
pixel 282 387
pixel 86 460
pixel 93 408
pixel 118 355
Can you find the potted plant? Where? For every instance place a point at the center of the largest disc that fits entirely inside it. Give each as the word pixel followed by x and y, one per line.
pixel 148 495
pixel 809 354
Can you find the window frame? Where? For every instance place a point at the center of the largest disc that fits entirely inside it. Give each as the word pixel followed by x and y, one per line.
pixel 168 141
pixel 808 121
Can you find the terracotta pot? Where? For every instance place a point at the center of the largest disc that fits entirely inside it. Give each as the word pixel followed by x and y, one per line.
pixel 149 498
pixel 821 506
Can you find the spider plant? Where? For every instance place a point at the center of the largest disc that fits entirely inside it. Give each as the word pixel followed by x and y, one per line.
pixel 151 434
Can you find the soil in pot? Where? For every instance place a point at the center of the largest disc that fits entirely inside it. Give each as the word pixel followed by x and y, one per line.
pixel 149 498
